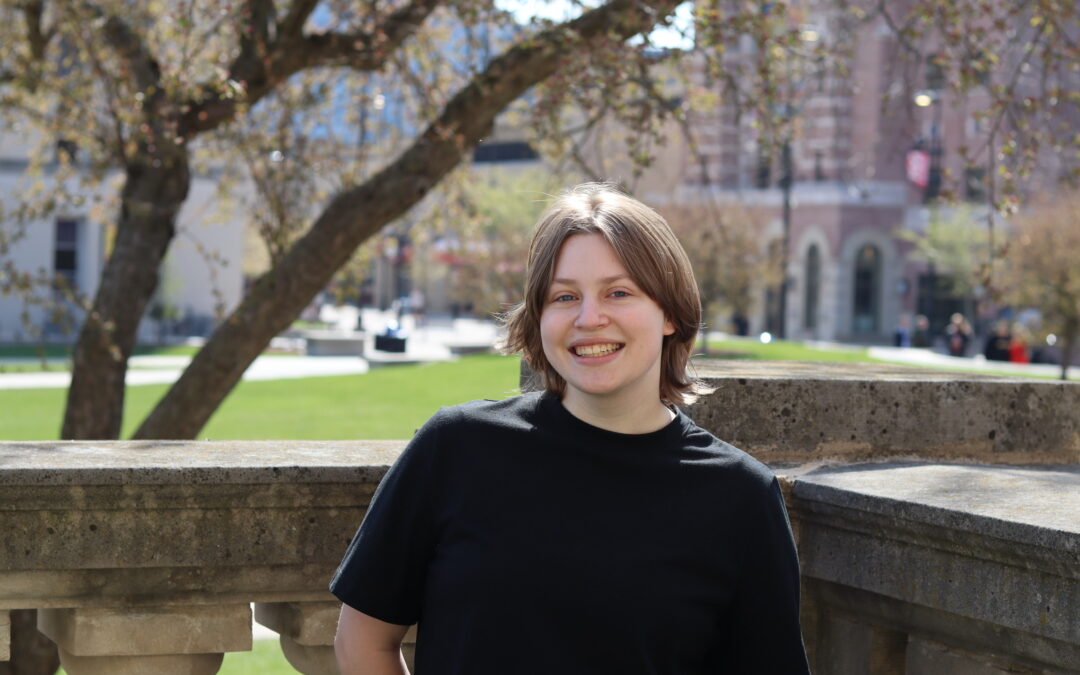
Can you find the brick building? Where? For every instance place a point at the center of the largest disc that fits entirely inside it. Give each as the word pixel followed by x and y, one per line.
pixel 855 131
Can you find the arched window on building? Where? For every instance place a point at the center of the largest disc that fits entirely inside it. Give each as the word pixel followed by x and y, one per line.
pixel 812 286
pixel 866 317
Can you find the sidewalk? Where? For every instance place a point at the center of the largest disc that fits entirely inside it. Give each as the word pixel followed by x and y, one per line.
pixel 925 357
pixel 931 359
pixel 436 340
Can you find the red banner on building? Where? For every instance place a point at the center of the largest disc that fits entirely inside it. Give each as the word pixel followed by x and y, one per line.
pixel 918 167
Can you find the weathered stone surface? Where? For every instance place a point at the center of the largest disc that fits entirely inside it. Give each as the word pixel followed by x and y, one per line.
pixel 188 463
pixel 926 656
pixel 308 623
pixel 849 647
pixel 130 631
pixel 799 412
pixel 171 664
pixel 987 557
pixel 254 521
pixel 5 636
pixel 309 659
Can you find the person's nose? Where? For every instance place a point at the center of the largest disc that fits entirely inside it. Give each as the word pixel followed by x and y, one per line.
pixel 591 314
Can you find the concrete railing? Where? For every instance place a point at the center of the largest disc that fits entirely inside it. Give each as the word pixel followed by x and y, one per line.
pixel 940 568
pixel 144 557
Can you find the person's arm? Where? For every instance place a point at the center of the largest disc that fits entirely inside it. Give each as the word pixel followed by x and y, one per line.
pixel 769 638
pixel 365 645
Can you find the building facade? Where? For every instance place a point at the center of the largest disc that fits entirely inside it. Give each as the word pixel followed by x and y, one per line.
pixel 201 278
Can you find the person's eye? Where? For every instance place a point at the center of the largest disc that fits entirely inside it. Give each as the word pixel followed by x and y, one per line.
pixel 563 297
pixel 621 294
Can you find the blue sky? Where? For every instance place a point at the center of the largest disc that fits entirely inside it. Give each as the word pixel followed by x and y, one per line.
pixel 559 10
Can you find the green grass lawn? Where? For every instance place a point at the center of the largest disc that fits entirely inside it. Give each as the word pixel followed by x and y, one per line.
pixel 388 402
pixel 782 350
pixel 265 658
pixel 26 357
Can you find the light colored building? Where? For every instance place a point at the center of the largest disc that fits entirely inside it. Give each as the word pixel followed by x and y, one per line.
pixel 201 277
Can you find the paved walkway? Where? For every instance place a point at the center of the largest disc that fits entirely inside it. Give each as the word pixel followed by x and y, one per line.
pixel 932 359
pixel 435 340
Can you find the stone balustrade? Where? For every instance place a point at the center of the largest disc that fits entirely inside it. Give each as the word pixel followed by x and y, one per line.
pixel 144 557
pixel 940 568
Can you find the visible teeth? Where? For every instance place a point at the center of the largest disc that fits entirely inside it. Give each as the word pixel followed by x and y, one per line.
pixel 596 350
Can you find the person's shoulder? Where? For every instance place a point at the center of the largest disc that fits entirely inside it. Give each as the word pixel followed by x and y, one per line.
pixel 508 412
pixel 725 457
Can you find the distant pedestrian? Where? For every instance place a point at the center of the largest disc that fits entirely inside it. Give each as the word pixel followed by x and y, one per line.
pixel 958 335
pixel 921 336
pixel 902 334
pixel 997 343
pixel 1018 345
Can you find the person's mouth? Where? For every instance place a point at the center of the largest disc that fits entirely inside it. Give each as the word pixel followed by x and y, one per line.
pixel 598 349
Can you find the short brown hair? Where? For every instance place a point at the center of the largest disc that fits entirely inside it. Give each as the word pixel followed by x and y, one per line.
pixel 650 252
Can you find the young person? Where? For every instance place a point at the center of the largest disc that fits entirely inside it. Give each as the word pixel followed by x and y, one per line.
pixel 591 527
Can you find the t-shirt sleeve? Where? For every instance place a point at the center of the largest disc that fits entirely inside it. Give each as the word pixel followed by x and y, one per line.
pixel 768 638
pixel 385 567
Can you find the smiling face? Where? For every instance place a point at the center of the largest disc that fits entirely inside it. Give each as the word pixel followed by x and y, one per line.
pixel 600 331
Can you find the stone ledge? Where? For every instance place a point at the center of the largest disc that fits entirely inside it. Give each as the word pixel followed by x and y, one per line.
pixel 1025 505
pixel 194 462
pixel 974 556
pixel 784 412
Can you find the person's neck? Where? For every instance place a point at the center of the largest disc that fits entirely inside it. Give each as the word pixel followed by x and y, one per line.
pixel 620 415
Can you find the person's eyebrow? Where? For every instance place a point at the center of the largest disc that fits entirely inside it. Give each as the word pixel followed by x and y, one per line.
pixel 605 280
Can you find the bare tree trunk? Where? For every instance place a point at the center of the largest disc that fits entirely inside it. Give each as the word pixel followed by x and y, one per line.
pixel 362 211
pixel 1068 347
pixel 151 199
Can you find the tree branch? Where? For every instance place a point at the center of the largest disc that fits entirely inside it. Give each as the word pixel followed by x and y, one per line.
pixel 292 53
pixel 255 33
pixel 143 67
pixel 293 23
pixel 363 210
pixel 36 36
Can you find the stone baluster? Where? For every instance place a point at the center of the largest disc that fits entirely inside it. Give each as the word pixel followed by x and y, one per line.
pixel 307 629
pixel 173 640
pixel 5 636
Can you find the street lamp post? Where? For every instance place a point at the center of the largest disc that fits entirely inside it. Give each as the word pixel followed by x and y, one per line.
pixel 786 180
pixel 932 98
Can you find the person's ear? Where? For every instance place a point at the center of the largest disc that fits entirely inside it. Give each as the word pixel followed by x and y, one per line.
pixel 669 328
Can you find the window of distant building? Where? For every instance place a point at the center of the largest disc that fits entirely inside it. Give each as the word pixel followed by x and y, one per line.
pixel 812 285
pixel 66 250
pixel 504 151
pixel 974 183
pixel 867 310
pixel 763 169
pixel 935 75
pixel 819 166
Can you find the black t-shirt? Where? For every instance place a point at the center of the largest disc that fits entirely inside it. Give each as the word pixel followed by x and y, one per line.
pixel 524 540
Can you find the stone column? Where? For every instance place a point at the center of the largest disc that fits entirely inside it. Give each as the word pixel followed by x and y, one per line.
pixel 850 647
pixel 181 640
pixel 307 632
pixel 5 636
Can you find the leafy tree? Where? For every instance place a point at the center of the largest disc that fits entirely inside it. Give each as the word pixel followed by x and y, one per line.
pixel 486 226
pixel 955 244
pixel 152 90
pixel 142 94
pixel 149 83
pixel 1041 270
pixel 725 249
